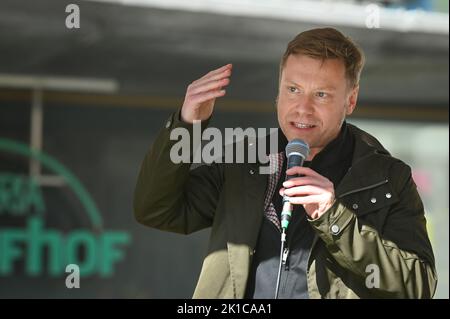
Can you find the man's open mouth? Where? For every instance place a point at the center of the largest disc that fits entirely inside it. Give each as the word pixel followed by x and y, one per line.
pixel 302 125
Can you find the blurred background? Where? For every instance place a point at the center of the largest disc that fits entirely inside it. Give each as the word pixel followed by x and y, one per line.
pixel 81 104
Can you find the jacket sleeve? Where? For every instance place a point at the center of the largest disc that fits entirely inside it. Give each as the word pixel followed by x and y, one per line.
pixel 173 197
pixel 402 255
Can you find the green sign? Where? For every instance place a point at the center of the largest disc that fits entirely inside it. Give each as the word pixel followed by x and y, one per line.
pixel 48 251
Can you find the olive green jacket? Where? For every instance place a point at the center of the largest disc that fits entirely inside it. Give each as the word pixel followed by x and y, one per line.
pixel 372 243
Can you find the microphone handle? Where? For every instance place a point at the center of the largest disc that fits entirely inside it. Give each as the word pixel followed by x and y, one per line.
pixel 286 213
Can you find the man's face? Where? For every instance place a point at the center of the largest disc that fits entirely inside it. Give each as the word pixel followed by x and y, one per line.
pixel 314 98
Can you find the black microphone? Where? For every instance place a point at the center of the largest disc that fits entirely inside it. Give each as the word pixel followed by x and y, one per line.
pixel 296 152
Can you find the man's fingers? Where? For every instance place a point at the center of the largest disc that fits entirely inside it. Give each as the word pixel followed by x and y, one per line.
pixel 208 86
pixel 226 69
pixel 207 78
pixel 219 70
pixel 300 170
pixel 304 190
pixel 312 199
pixel 205 96
pixel 307 180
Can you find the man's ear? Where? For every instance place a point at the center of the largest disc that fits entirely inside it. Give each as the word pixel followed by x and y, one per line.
pixel 352 99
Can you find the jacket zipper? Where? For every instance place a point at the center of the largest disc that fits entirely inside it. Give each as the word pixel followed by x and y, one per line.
pixel 285 271
pixel 285 257
pixel 363 188
pixel 285 264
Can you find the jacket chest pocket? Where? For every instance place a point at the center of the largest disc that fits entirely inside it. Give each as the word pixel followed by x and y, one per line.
pixel 372 205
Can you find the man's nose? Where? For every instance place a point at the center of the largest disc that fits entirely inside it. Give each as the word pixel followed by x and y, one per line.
pixel 305 104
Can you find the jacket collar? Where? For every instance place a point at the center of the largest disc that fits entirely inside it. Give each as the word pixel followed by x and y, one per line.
pixel 368 153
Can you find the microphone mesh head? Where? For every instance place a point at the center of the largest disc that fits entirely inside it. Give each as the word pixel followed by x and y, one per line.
pixel 297 146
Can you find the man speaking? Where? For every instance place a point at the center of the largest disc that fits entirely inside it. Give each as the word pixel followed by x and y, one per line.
pixel 357 228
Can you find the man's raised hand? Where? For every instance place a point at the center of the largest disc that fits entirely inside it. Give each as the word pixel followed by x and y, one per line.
pixel 201 94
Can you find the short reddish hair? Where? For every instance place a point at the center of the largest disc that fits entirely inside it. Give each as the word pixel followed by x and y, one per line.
pixel 328 43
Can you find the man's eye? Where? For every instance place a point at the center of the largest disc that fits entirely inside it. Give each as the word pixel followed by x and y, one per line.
pixel 292 89
pixel 321 94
